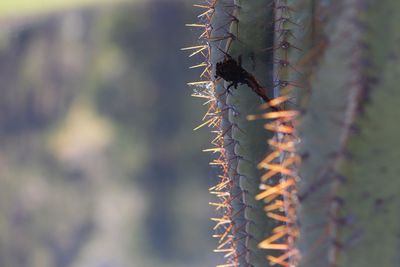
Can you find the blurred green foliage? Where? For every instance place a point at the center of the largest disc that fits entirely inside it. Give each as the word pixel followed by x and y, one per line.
pixel 16 8
pixel 100 164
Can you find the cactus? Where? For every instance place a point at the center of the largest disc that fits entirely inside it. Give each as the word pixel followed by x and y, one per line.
pixel 324 192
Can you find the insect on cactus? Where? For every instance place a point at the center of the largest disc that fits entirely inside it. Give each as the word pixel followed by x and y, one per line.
pixel 299 182
pixel 232 71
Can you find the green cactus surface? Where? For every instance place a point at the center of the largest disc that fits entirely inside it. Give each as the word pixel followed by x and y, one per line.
pixel 370 193
pixel 254 33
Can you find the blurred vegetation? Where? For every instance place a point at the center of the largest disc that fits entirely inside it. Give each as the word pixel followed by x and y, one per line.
pixel 18 8
pixel 100 164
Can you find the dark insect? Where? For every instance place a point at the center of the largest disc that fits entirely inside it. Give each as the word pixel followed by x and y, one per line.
pixel 232 71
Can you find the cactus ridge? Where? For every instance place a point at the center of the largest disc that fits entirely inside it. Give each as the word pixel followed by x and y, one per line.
pixel 279 182
pixel 230 230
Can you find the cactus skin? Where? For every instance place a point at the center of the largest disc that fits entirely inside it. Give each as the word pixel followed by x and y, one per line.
pixel 254 33
pixel 323 131
pixel 349 212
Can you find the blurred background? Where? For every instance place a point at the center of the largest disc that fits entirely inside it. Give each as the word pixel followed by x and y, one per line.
pixel 99 164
